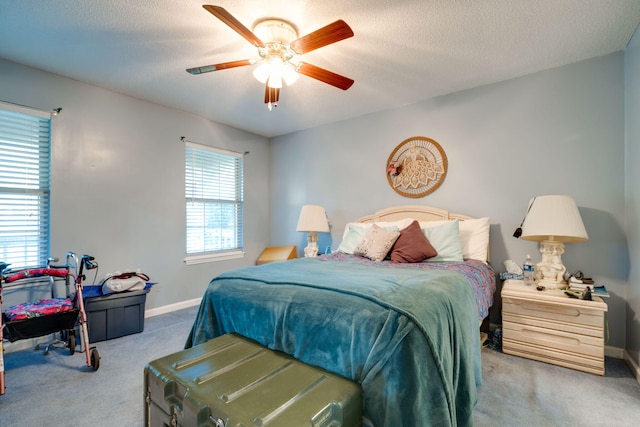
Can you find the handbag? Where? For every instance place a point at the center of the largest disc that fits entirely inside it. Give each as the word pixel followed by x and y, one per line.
pixel 124 281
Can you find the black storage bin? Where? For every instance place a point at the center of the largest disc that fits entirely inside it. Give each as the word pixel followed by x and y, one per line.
pixel 115 315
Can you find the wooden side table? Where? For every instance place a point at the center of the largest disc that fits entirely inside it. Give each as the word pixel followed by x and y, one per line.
pixel 548 326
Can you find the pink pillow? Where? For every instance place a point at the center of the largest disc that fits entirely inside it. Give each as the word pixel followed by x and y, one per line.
pixel 412 245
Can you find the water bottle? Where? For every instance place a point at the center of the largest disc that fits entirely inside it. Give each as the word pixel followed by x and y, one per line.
pixel 529 271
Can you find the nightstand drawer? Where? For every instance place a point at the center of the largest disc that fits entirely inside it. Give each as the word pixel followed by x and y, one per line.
pixel 595 331
pixel 557 341
pixel 566 317
pixel 555 357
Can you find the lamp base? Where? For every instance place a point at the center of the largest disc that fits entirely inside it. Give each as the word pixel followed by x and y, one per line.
pixel 550 271
pixel 552 284
pixel 312 245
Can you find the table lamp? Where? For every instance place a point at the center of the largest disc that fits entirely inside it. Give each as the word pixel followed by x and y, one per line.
pixel 313 219
pixel 552 221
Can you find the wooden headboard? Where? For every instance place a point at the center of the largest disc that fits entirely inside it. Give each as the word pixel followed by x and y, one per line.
pixel 418 212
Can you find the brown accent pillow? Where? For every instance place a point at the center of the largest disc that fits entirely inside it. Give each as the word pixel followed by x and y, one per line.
pixel 412 245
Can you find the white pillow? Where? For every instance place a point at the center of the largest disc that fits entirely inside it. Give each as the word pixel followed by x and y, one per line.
pixel 354 232
pixel 474 237
pixel 377 243
pixel 445 238
pixel 353 235
pixel 429 224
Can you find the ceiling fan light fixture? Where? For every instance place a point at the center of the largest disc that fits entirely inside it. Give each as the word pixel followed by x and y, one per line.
pixel 274 70
pixel 274 82
pixel 261 73
pixel 278 47
pixel 275 30
pixel 275 75
pixel 289 74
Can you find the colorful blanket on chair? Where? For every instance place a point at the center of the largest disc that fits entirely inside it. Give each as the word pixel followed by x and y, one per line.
pixel 40 308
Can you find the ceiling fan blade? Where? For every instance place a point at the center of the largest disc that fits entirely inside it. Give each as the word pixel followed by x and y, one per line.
pixel 325 76
pixel 222 14
pixel 222 66
pixel 271 95
pixel 331 33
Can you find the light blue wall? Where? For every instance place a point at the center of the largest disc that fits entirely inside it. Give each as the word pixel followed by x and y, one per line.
pixel 559 131
pixel 632 91
pixel 118 180
pixel 117 172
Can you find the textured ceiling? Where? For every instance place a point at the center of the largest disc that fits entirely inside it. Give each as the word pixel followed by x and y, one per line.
pixel 403 51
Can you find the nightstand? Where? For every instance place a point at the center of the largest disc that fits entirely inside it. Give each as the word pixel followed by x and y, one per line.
pixel 277 253
pixel 548 326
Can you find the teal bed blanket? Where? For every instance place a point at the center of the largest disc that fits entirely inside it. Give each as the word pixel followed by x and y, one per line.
pixel 409 336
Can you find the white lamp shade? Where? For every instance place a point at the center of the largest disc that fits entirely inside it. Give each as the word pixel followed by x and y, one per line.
pixel 313 218
pixel 261 73
pixel 553 218
pixel 273 71
pixel 275 75
pixel 289 74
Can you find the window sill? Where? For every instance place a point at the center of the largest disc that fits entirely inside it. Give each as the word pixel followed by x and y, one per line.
pixel 213 257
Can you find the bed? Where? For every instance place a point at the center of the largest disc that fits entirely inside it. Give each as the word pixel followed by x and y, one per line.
pixel 407 331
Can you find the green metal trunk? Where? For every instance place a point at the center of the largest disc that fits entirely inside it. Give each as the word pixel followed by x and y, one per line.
pixel 231 381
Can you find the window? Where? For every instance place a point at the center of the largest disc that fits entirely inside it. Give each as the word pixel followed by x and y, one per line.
pixel 214 201
pixel 24 185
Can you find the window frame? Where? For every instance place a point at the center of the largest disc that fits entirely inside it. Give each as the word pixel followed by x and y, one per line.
pixel 237 187
pixel 26 144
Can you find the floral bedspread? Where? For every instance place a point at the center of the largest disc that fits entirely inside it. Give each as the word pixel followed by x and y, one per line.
pixel 481 276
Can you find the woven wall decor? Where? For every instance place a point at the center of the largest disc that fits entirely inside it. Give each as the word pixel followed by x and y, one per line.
pixel 416 167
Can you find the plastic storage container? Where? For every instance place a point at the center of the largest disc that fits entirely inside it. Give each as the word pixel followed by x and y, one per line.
pixel 115 315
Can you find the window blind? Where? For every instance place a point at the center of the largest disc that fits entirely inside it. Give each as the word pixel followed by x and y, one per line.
pixel 25 152
pixel 214 199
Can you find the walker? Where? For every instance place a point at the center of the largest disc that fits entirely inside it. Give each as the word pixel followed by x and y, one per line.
pixel 49 316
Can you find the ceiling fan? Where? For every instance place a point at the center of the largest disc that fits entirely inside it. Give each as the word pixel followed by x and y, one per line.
pixel 279 48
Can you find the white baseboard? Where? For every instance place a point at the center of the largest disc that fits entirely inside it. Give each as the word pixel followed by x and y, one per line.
pixel 615 352
pixel 171 307
pixel 633 366
pixel 620 353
